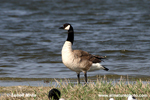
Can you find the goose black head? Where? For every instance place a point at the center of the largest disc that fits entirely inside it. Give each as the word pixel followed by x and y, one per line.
pixel 54 93
pixel 67 27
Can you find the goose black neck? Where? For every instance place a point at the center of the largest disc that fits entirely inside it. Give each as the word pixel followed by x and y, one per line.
pixel 70 36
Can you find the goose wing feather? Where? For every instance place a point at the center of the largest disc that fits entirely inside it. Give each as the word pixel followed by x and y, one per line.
pixel 86 56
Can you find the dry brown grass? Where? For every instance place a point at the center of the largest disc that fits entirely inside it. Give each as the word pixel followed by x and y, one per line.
pixel 91 91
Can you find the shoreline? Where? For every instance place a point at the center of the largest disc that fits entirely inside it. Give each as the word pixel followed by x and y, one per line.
pixel 8 81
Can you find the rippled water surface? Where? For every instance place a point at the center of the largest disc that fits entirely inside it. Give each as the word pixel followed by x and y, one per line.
pixel 31 43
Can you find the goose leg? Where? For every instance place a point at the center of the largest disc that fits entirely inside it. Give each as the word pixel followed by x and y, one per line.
pixel 85 75
pixel 78 75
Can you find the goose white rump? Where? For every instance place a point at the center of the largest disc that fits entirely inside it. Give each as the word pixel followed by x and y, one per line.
pixel 96 66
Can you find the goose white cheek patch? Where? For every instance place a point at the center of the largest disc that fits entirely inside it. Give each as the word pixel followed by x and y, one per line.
pixel 67 28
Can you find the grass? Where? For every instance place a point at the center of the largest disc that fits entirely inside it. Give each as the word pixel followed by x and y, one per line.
pixel 72 91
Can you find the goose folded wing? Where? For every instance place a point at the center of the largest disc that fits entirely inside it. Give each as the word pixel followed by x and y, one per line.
pixel 86 56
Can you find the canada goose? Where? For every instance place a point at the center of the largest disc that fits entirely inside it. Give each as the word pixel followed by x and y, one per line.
pixel 54 94
pixel 78 60
pixel 130 97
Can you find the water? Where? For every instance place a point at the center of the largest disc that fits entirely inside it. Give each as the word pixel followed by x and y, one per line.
pixel 31 43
